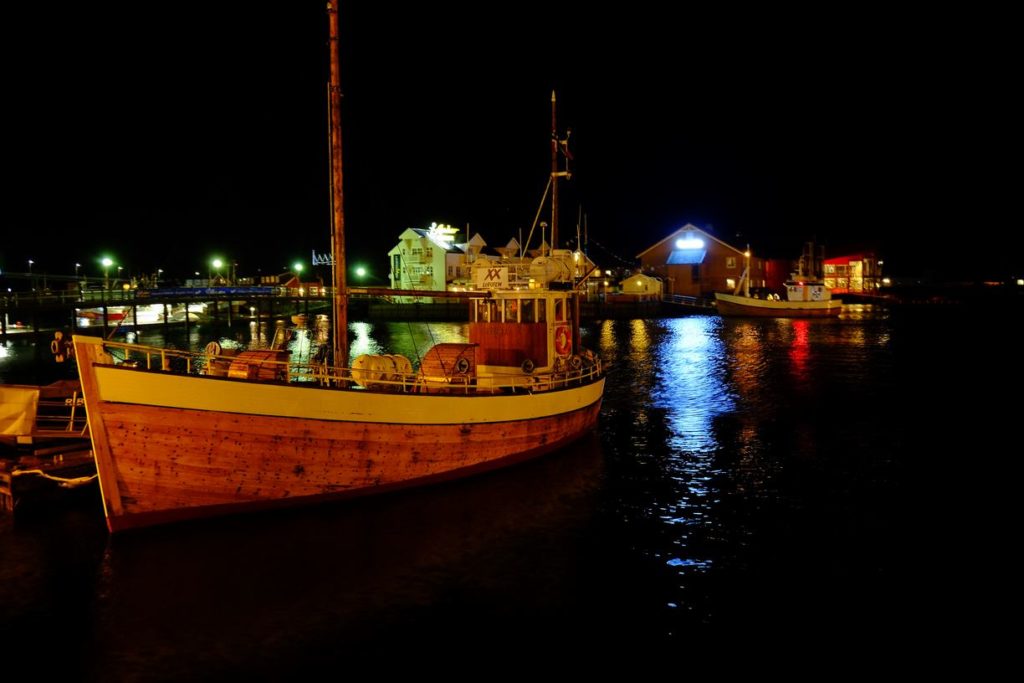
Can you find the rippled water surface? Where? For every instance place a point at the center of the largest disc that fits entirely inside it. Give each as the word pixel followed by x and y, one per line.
pixel 766 480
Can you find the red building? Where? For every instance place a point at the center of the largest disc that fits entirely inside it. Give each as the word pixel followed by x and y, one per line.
pixel 854 273
pixel 692 262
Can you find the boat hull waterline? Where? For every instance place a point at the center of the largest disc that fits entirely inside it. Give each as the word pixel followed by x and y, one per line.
pixel 166 449
pixel 735 305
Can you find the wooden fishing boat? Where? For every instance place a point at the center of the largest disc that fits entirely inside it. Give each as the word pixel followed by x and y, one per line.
pixel 44 451
pixel 179 436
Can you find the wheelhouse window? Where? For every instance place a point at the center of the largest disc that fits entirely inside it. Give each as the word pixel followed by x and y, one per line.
pixel 485 312
pixel 511 310
pixel 528 311
pixel 560 310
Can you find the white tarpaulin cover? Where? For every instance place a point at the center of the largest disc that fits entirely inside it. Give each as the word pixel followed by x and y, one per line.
pixel 18 405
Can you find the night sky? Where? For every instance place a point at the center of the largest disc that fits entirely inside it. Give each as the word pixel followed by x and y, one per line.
pixel 165 134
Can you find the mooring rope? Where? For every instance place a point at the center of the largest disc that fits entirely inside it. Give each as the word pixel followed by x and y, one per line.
pixel 66 482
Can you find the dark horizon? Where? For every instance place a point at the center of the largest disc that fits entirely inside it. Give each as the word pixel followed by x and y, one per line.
pixel 183 135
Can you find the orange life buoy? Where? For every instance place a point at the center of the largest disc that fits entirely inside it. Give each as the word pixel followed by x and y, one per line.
pixel 563 342
pixel 57 348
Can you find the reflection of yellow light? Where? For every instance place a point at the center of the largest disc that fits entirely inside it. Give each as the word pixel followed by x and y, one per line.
pixel 640 339
pixel 362 340
pixel 607 343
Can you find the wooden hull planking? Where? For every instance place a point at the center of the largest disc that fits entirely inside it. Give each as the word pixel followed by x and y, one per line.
pixel 161 463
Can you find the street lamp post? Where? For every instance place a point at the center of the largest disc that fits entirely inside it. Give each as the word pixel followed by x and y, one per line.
pixel 107 262
pixel 31 282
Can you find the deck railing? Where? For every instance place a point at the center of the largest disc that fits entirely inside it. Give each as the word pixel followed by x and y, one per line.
pixel 321 374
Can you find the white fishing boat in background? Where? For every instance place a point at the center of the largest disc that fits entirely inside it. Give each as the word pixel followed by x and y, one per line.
pixel 806 296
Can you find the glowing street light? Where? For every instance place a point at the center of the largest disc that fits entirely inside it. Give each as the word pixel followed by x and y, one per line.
pixel 30 282
pixel 217 264
pixel 107 262
pixel 360 271
pixel 77 266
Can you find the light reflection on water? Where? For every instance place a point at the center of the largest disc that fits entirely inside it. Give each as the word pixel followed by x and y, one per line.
pixel 713 410
pixel 693 386
pixel 742 470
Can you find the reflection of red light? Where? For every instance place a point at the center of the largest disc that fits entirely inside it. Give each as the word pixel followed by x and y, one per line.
pixel 800 349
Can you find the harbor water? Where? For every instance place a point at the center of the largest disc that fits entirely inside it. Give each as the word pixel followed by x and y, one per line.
pixel 826 485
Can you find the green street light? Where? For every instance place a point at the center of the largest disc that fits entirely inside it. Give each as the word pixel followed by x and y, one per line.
pixel 297 267
pixel 107 262
pixel 217 264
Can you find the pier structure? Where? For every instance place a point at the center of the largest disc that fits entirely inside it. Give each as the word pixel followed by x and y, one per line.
pixel 37 312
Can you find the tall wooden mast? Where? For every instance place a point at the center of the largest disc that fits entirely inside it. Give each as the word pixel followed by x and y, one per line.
pixel 340 313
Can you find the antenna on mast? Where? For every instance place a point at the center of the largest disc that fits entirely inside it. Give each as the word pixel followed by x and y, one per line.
pixel 554 174
pixel 557 145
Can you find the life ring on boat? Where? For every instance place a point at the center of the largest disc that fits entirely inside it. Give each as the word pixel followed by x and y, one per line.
pixel 462 366
pixel 56 347
pixel 212 349
pixel 527 366
pixel 562 340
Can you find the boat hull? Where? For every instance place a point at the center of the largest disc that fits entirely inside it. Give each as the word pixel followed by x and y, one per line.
pixel 166 452
pixel 733 305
